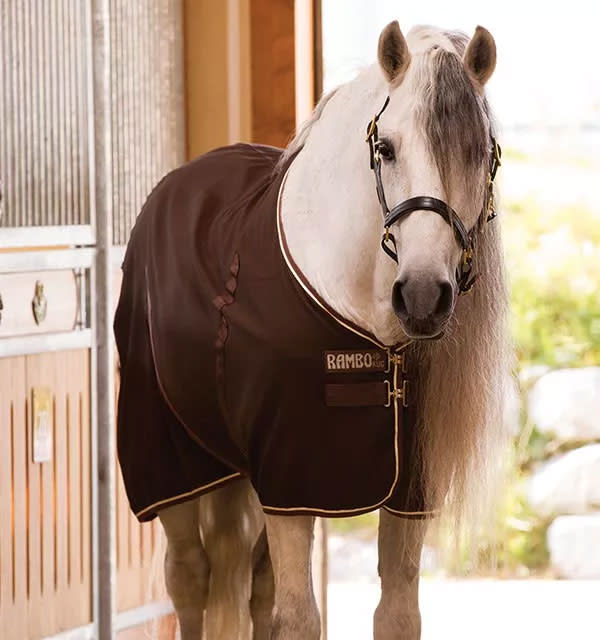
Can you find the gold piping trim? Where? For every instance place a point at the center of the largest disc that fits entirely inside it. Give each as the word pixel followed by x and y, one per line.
pixel 187 494
pixel 362 335
pixel 312 296
pixel 411 513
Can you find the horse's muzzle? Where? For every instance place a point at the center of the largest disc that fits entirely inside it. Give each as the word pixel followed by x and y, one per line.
pixel 423 308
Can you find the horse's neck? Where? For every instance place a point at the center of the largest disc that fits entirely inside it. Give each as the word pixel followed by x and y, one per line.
pixel 328 216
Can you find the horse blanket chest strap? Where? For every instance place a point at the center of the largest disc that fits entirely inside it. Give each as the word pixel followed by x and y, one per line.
pixel 231 365
pixel 466 239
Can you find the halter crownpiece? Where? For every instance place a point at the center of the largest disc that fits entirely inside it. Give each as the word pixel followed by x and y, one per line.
pixel 465 238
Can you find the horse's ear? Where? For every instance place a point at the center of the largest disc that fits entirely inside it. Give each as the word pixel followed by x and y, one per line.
pixel 392 52
pixel 480 56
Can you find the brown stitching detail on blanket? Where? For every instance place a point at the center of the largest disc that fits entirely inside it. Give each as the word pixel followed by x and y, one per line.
pixel 220 302
pixel 163 392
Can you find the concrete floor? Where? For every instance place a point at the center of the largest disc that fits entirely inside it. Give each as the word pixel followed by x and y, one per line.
pixel 478 609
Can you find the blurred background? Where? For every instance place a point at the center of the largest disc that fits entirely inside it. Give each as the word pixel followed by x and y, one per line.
pixel 98 99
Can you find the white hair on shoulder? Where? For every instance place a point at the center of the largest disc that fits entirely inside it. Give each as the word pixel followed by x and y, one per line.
pixel 297 142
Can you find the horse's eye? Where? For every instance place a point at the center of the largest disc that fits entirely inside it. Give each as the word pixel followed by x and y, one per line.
pixel 385 149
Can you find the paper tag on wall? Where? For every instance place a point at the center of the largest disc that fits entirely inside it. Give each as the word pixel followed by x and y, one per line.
pixel 41 421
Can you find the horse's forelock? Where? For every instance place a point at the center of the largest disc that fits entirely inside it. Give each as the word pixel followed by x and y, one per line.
pixel 452 115
pixel 459 41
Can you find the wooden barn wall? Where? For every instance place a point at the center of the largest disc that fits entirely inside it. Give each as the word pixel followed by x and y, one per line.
pixel 239 72
pixel 46 180
pixel 273 77
pixel 239 84
pixel 45 528
pixel 206 80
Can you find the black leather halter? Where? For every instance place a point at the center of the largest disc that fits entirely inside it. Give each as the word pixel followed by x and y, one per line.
pixel 466 239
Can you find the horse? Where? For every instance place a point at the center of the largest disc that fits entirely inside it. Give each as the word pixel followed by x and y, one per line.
pixel 410 303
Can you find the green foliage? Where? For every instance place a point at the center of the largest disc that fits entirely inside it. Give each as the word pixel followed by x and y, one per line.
pixel 553 260
pixel 521 536
pixel 364 526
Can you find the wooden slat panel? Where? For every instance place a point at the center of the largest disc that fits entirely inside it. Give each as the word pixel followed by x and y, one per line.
pixel 74 487
pixel 48 528
pixel 36 373
pixel 61 476
pixel 85 564
pixel 48 533
pixel 6 489
pixel 77 374
pixel 21 570
pixel 13 566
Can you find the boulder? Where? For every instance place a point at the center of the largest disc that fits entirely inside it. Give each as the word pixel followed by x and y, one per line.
pixel 569 483
pixel 512 409
pixel 573 542
pixel 566 404
pixel 532 373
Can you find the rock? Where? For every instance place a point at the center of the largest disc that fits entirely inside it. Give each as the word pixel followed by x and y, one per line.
pixel 529 375
pixel 512 409
pixel 566 404
pixel 568 484
pixel 573 542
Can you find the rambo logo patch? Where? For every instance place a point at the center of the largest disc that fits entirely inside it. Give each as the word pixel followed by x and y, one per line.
pixel 353 361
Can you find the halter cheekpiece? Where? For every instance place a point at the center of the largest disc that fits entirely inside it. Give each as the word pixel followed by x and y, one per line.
pixel 466 239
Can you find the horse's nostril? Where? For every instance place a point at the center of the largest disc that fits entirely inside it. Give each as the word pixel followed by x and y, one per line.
pixel 398 302
pixel 444 303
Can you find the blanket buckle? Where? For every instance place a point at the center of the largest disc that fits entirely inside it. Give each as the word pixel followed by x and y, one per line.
pixel 398 393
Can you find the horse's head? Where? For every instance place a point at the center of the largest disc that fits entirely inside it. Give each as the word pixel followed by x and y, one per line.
pixel 434 140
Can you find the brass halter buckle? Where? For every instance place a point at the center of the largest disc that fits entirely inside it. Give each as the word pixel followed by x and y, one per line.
pixel 497 154
pixel 491 206
pixel 371 129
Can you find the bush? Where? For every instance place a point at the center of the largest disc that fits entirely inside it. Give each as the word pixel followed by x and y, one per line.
pixel 553 258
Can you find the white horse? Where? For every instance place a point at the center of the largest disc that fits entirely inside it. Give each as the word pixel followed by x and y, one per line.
pixel 224 574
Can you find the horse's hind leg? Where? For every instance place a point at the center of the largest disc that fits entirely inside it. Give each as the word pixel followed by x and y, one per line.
pixel 263 590
pixel 186 567
pixel 231 521
pixel 397 616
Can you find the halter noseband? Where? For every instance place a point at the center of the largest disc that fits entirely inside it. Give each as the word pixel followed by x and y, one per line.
pixel 465 238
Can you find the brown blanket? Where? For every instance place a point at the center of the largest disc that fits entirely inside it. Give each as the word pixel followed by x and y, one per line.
pixel 231 364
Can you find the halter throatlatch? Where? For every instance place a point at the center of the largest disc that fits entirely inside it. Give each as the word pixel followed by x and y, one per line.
pixel 466 239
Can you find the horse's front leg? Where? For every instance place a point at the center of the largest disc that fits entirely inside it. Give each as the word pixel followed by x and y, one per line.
pixel 295 615
pixel 397 616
